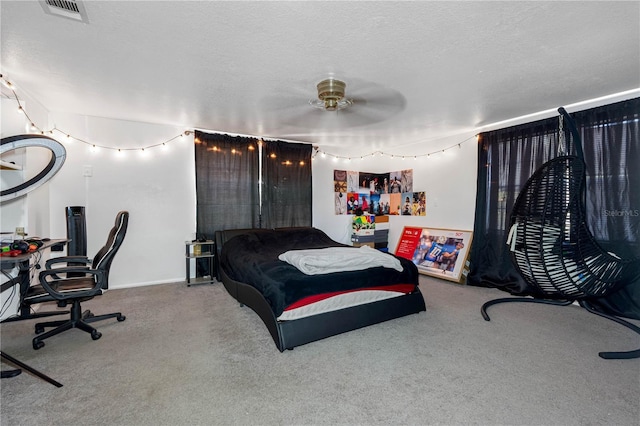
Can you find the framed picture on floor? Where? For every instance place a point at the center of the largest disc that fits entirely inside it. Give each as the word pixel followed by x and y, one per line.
pixel 440 253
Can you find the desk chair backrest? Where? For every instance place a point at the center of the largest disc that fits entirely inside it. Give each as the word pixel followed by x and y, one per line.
pixel 104 257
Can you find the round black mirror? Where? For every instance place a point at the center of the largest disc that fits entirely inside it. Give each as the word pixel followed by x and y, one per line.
pixel 15 143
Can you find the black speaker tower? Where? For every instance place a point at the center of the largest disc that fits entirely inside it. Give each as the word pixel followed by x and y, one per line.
pixel 76 231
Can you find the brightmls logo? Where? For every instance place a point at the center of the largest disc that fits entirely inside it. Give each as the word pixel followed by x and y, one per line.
pixel 618 213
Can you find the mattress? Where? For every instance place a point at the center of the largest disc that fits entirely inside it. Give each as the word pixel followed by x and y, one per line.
pixel 252 258
pixel 322 303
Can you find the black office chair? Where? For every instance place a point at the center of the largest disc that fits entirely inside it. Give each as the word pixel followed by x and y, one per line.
pixel 553 248
pixel 64 285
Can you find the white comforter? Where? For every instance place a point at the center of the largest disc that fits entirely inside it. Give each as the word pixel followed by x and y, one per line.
pixel 338 259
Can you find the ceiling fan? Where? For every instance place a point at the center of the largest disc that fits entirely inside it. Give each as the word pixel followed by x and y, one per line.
pixel 331 95
pixel 338 105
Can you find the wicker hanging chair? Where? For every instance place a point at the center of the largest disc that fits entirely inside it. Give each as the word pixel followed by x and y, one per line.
pixel 551 245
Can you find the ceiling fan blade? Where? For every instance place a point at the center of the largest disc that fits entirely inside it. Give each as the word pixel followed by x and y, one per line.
pixel 358 118
pixel 387 106
pixel 370 103
pixel 307 117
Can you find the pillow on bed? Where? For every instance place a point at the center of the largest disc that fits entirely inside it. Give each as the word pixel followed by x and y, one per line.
pixel 303 237
pixel 295 228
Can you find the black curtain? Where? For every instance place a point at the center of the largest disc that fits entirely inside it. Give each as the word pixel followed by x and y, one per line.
pixel 506 160
pixel 226 183
pixel 611 139
pixel 508 157
pixel 287 197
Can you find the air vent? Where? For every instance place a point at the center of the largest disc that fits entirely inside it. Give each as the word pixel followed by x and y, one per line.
pixel 71 9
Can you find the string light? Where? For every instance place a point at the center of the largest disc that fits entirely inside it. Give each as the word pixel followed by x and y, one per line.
pixel 7 83
pixel 69 138
pixel 336 157
pixel 96 147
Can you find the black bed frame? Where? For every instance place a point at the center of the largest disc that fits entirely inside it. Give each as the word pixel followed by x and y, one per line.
pixel 289 334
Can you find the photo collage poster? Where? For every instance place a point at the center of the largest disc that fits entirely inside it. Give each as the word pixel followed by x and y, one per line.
pixel 377 193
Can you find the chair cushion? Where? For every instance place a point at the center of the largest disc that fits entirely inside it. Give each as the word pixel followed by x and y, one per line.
pixel 37 293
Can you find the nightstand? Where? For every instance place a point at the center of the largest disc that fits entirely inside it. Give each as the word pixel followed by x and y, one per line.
pixel 203 253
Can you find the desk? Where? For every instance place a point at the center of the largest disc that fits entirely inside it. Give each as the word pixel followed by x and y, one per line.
pixel 23 262
pixel 23 279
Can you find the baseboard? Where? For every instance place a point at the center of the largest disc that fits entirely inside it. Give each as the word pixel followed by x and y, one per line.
pixel 147 283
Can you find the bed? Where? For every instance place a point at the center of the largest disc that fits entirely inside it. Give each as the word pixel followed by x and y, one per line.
pixel 299 308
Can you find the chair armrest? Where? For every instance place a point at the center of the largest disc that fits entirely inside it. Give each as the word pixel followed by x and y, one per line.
pixel 98 275
pixel 67 259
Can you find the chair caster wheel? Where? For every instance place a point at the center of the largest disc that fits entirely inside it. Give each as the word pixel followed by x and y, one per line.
pixel 38 345
pixel 39 330
pixel 121 318
pixel 95 335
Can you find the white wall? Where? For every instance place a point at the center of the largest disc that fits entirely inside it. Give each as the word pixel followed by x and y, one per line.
pixel 448 179
pixel 25 212
pixel 14 213
pixel 158 190
pixel 31 212
pixel 156 186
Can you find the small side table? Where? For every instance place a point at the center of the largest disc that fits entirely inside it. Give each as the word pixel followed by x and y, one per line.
pixel 200 250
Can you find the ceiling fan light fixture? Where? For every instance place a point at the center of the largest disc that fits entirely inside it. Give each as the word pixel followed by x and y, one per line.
pixel 331 95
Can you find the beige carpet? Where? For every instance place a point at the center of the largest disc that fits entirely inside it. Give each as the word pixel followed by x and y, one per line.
pixel 192 355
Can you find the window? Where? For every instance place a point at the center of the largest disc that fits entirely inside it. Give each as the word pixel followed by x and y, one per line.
pixel 228 178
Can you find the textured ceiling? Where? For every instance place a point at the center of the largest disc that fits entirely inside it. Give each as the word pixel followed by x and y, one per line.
pixel 419 71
